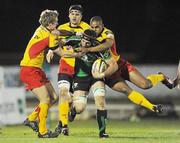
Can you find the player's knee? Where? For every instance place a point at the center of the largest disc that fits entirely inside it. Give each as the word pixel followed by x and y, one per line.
pixel 79 107
pixel 45 99
pixel 63 91
pixel 80 103
pixel 99 95
pixel 98 92
pixel 64 87
pixel 146 84
pixel 124 89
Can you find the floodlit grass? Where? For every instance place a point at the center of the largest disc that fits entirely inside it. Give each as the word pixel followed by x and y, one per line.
pixel 147 131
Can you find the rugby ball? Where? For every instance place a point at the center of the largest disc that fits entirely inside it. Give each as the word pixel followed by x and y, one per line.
pixel 99 66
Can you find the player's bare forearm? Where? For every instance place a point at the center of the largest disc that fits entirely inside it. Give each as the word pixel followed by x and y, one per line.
pixel 112 67
pixel 57 51
pixel 61 53
pixel 62 32
pixel 104 46
pixel 68 54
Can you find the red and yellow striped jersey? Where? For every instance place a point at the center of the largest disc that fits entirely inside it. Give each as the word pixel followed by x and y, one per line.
pixel 106 34
pixel 69 63
pixel 34 53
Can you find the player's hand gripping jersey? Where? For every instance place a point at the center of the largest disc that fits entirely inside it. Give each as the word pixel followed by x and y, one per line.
pixel 34 54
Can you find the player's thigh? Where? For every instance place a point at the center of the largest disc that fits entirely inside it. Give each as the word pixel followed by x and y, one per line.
pixel 80 100
pixel 51 90
pixel 98 89
pixel 64 84
pixel 98 84
pixel 123 87
pixel 42 94
pixel 78 93
pixel 138 79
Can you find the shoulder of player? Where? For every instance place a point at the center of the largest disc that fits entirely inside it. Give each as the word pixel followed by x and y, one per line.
pixel 41 32
pixel 63 26
pixel 107 31
pixel 84 25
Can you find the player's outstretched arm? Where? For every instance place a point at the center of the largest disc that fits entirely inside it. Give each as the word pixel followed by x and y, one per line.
pixel 69 54
pixel 62 32
pixel 101 47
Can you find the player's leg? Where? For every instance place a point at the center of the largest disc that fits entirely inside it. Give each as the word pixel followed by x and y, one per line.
pixel 81 88
pixel 98 90
pixel 36 81
pixel 145 82
pixel 119 84
pixel 26 75
pixel 172 83
pixel 139 80
pixel 31 119
pixel 52 93
pixel 177 80
pixel 44 98
pixel 79 101
pixel 64 83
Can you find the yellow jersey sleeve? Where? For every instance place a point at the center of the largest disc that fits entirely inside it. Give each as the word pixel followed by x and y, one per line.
pixel 53 41
pixel 34 53
pixel 106 34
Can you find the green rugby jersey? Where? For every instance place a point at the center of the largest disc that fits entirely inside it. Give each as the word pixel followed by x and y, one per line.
pixel 84 64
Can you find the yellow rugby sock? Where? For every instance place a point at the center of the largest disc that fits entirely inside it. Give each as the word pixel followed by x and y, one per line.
pixel 33 116
pixel 139 99
pixel 155 78
pixel 63 112
pixel 42 117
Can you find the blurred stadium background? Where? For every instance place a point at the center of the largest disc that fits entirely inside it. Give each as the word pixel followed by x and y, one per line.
pixel 147 34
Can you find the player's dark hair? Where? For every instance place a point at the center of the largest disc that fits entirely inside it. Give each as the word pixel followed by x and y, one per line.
pixel 89 35
pixel 76 7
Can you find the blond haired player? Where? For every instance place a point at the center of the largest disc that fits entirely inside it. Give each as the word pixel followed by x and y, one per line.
pixel 32 74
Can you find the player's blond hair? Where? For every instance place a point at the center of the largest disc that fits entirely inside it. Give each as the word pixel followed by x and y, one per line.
pixel 48 16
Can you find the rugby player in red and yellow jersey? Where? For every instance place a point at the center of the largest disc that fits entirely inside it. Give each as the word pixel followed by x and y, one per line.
pixel 126 71
pixel 32 74
pixel 66 65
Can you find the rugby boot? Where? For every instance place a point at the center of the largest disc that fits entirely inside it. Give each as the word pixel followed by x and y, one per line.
pixel 32 124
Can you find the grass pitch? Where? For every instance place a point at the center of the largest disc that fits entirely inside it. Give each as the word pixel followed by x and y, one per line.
pixel 147 131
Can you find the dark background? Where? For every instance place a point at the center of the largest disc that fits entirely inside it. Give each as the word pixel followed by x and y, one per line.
pixel 146 31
